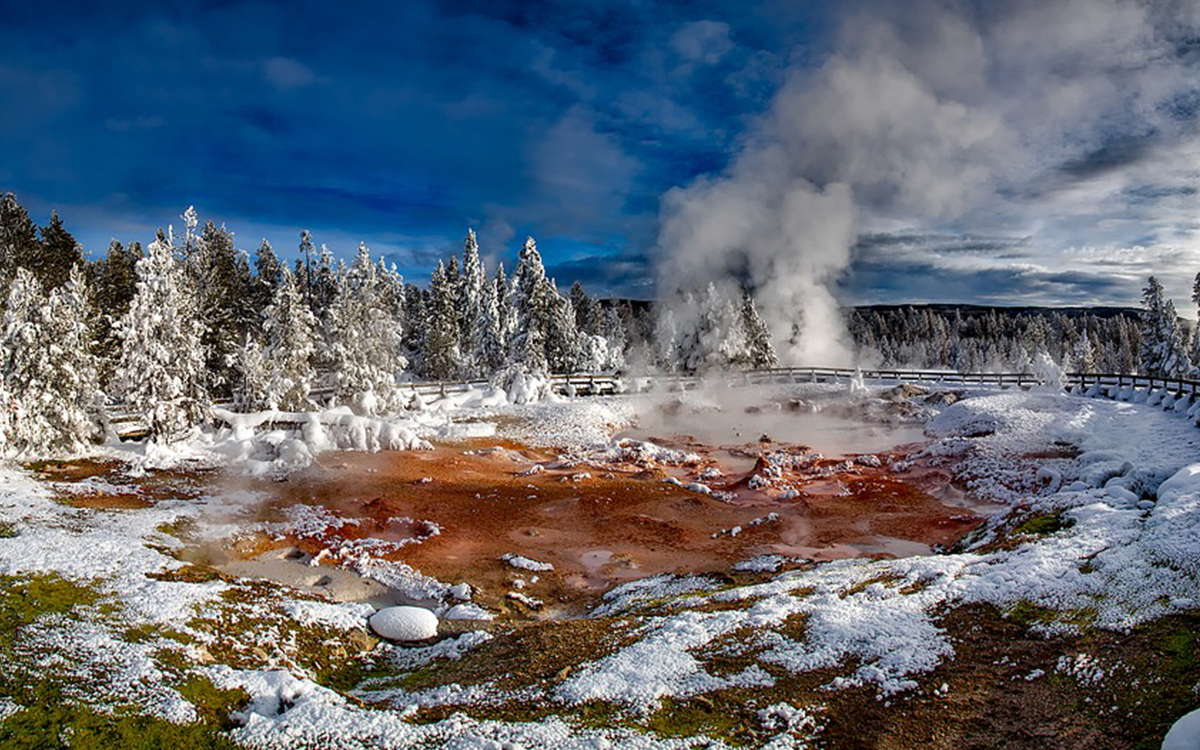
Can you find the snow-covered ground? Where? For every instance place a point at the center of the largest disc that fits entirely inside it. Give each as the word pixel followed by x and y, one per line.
pixel 1115 486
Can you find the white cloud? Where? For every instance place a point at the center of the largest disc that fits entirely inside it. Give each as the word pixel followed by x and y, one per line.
pixel 1039 118
pixel 287 74
pixel 704 42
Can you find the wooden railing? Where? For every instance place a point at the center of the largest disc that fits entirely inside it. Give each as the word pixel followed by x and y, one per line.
pixel 599 384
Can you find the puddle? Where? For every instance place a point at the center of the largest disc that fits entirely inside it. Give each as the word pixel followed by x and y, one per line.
pixel 828 434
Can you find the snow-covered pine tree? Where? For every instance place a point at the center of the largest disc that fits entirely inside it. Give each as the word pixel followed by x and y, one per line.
pixel 114 283
pixel 468 303
pixel 365 339
pixel 416 325
pixel 1194 348
pixel 442 351
pixel 1163 353
pixel 58 255
pixel 47 365
pixel 19 245
pixel 323 283
pixel 532 309
pixel 268 272
pixel 733 349
pixel 391 291
pixel 291 339
pixel 612 328
pixel 22 363
pixel 225 288
pixel 507 310
pixel 666 342
pixel 254 374
pixel 587 312
pixel 562 337
pixel 1083 354
pixel 162 373
pixel 486 345
pixel 304 267
pixel 760 351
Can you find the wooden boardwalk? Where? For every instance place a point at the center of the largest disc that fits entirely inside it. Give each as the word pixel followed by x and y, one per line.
pixel 128 425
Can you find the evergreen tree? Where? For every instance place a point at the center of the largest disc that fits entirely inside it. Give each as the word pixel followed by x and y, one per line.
pixel 468 302
pixel 506 308
pixel 268 273
pixel 487 347
pixel 442 355
pixel 1162 347
pixel 1083 354
pixel 532 309
pixel 667 343
pixel 587 312
pixel 225 288
pixel 252 385
pixel 290 330
pixel 304 267
pixel 19 245
pixel 59 253
pixel 416 326
pixel 47 366
pixel 114 284
pixel 613 330
pixel 365 340
pixel 161 374
pixel 760 351
pixel 562 337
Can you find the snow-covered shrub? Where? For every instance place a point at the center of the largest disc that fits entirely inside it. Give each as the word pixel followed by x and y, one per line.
pixel 1049 375
pixel 521 386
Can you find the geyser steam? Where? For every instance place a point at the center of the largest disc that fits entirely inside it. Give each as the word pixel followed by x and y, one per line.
pixel 938 116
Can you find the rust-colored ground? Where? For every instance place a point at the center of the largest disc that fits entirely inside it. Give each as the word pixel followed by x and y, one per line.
pixel 619 523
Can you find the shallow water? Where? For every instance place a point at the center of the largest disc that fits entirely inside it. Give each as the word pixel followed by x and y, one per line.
pixel 830 435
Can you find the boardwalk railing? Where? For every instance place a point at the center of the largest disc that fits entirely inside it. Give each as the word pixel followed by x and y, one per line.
pixel 600 384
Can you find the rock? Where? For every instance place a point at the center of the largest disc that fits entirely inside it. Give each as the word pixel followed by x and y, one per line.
pixel 405 623
pixel 904 391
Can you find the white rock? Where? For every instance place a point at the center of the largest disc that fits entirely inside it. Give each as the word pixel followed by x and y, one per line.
pixel 405 623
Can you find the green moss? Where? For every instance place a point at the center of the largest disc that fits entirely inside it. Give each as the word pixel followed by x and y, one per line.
pixel 1043 524
pixel 7 530
pixel 214 704
pixel 25 599
pixel 183 528
pixel 691 718
pixel 190 574
pixel 56 724
pixel 1027 614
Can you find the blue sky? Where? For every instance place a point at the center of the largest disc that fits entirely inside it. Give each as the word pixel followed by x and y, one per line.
pixel 1016 152
pixel 401 124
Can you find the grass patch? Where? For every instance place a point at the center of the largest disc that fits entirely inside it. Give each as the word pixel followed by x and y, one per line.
pixel 7 530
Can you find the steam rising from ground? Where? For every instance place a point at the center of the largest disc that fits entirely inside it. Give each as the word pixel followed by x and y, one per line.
pixel 1019 118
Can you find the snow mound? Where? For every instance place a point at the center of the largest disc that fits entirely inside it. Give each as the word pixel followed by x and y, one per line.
pixel 1184 734
pixel 405 623
pixel 524 563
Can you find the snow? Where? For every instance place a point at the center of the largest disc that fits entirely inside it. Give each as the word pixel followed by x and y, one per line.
pixel 1136 559
pixel 1184 734
pixel 335 616
pixel 1126 490
pixel 405 623
pixel 524 563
